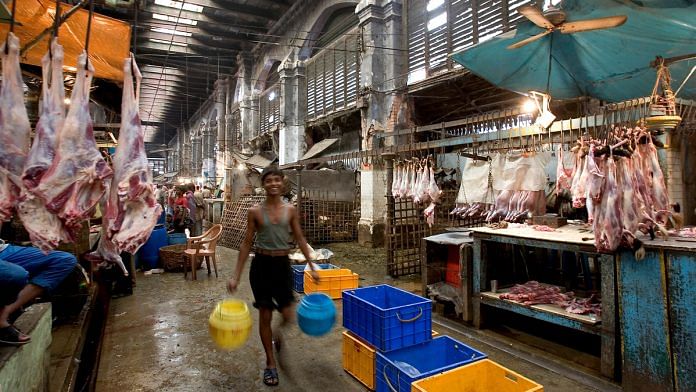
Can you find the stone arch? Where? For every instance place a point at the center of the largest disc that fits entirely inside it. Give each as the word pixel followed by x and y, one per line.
pixel 268 65
pixel 315 30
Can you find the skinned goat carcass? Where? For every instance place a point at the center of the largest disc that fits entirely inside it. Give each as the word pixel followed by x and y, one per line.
pixel 76 180
pixel 564 176
pixel 15 128
pixel 45 229
pixel 107 253
pixel 434 194
pixel 131 211
pixel 43 150
pixel 396 181
pixel 608 228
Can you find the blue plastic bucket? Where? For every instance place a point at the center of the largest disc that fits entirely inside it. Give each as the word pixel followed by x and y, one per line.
pixel 148 255
pixel 177 238
pixel 316 314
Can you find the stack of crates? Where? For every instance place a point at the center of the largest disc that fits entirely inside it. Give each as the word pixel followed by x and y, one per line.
pixel 389 342
pixel 390 346
pixel 298 272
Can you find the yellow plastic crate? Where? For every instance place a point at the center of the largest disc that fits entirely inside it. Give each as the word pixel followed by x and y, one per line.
pixel 480 376
pixel 359 359
pixel 331 282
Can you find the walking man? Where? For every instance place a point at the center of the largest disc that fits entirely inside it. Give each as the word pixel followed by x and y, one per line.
pixel 270 274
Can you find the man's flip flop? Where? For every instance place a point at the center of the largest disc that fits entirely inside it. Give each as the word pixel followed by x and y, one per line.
pixel 11 336
pixel 270 377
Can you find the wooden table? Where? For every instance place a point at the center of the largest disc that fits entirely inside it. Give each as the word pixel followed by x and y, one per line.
pixel 657 313
pixel 567 238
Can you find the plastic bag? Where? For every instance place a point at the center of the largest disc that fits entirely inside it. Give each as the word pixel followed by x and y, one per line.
pixel 474 185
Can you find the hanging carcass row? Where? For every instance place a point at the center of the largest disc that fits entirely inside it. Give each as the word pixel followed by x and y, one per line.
pixel 131 210
pixel 45 229
pixel 76 180
pixel 14 128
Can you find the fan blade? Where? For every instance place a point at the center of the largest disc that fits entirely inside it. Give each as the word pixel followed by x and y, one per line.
pixel 535 16
pixel 530 39
pixel 592 24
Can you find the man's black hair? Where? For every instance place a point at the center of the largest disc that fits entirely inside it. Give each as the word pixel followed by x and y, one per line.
pixel 271 170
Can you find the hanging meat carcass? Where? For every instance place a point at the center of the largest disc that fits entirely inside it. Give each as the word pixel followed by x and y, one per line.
pixel 107 253
pixel 434 194
pixel 45 228
pixel 15 128
pixel 132 210
pixel 396 181
pixel 76 180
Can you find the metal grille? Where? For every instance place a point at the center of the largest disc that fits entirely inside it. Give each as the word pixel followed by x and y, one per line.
pixel 407 227
pixel 325 219
pixel 234 220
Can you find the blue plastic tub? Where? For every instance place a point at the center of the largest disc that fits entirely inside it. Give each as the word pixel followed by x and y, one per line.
pixel 387 317
pixel 177 238
pixel 148 254
pixel 298 275
pixel 396 370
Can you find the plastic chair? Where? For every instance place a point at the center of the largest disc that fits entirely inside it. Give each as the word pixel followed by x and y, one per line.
pixel 203 246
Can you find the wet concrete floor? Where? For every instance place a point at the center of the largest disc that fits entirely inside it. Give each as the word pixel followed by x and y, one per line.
pixel 157 340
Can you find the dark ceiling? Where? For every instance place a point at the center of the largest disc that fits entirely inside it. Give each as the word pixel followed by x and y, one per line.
pixel 179 70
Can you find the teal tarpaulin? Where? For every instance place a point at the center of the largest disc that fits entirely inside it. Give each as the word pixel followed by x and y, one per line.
pixel 611 64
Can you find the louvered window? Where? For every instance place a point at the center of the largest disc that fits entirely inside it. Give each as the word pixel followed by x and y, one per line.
pixel 437 28
pixel 269 109
pixel 332 76
pixel 235 126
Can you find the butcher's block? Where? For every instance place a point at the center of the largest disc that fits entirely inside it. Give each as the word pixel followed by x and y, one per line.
pixel 549 220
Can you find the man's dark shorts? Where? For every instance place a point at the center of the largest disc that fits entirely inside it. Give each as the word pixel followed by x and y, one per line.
pixel 271 282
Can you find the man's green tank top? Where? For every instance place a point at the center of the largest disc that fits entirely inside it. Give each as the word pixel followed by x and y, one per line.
pixel 274 236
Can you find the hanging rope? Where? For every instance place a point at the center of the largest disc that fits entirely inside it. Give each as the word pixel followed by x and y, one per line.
pixel 56 25
pixel 12 24
pixel 89 29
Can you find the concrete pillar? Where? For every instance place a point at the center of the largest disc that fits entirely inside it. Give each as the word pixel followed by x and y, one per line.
pixel 381 68
pixel 672 168
pixel 186 153
pixel 293 109
pixel 248 100
pixel 196 149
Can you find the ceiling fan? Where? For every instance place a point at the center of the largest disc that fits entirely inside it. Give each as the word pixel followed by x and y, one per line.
pixel 554 19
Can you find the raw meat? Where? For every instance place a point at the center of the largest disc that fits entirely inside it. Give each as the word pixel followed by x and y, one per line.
pixel 76 180
pixel 106 254
pixel 45 229
pixel 43 150
pixel 15 128
pixel 132 210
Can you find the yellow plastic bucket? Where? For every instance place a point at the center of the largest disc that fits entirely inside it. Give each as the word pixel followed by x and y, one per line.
pixel 230 324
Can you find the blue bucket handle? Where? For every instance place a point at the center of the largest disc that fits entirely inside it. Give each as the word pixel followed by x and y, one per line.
pixel 389 384
pixel 420 313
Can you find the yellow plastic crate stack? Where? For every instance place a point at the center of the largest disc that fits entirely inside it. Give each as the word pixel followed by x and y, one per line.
pixel 331 282
pixel 480 376
pixel 359 358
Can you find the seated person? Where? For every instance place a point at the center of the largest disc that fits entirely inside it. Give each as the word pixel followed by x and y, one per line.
pixel 25 274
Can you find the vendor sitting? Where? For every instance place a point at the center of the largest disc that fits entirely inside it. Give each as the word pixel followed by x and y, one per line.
pixel 180 221
pixel 25 274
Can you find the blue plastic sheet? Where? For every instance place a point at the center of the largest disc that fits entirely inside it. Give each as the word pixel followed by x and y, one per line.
pixel 610 64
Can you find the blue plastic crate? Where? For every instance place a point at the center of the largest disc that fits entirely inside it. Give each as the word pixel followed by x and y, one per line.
pixel 298 275
pixel 396 370
pixel 387 317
